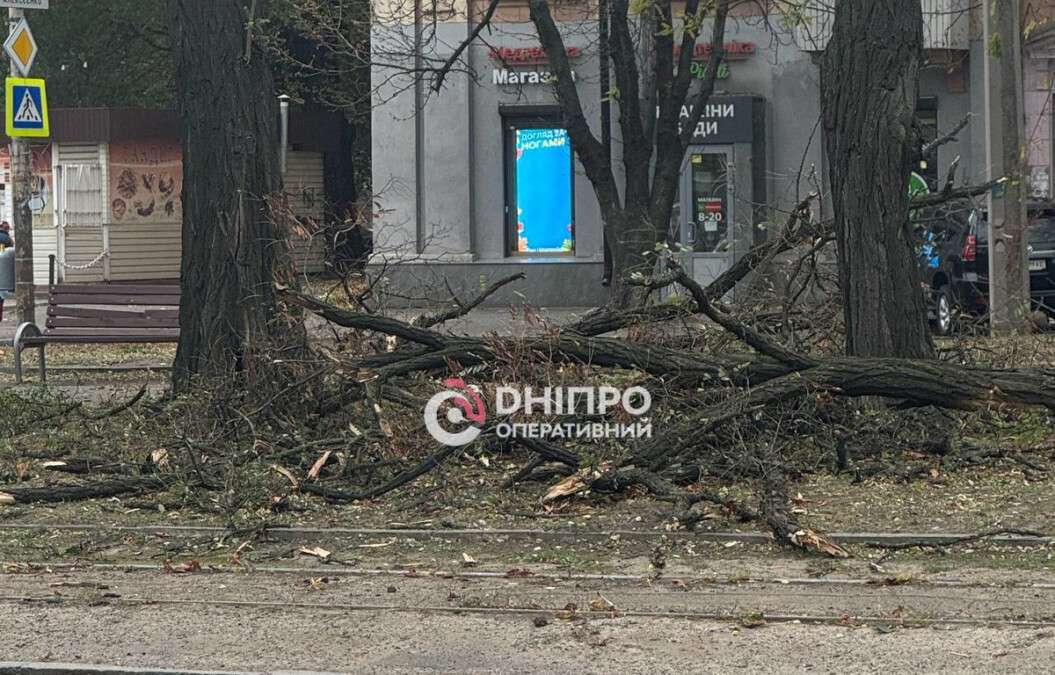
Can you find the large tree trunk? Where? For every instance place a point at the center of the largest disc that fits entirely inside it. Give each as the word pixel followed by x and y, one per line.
pixel 226 100
pixel 869 87
pixel 633 241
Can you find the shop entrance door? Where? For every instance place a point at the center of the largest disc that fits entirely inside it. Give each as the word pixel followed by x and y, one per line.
pixel 703 213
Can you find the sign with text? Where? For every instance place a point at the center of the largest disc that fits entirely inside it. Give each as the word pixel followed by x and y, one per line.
pixel 24 4
pixel 725 120
pixel 731 51
pixel 516 77
pixel 528 56
pixel 27 108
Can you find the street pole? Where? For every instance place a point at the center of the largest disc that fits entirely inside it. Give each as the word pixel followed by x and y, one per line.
pixel 1004 131
pixel 283 133
pixel 22 217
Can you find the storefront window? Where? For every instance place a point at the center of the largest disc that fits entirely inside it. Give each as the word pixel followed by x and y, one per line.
pixel 542 196
pixel 710 201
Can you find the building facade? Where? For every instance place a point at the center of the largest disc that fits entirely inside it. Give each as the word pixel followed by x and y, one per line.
pixel 106 194
pixel 476 179
pixel 1038 79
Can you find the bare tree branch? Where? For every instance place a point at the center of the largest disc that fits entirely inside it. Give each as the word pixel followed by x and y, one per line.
pixel 443 70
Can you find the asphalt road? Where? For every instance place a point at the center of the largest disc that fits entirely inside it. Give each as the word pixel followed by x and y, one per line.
pixel 261 621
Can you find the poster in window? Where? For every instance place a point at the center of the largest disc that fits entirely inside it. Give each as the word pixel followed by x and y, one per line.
pixel 41 185
pixel 544 192
pixel 41 188
pixel 146 182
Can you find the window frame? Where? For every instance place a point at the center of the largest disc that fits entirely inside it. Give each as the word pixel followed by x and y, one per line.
pixel 530 117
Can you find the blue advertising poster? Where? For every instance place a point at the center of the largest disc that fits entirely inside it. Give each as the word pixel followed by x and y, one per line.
pixel 543 191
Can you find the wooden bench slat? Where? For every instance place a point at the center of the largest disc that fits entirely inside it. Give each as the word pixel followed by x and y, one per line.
pixel 99 299
pixel 111 322
pixel 73 338
pixel 128 313
pixel 120 289
pixel 91 312
pixel 82 330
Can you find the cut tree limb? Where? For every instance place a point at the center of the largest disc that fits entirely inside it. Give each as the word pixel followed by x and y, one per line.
pixel 65 493
pixel 778 516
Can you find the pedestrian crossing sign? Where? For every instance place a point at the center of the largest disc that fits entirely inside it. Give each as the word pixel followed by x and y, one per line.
pixel 27 108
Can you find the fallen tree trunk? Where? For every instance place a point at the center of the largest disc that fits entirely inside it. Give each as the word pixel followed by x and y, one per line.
pixel 923 382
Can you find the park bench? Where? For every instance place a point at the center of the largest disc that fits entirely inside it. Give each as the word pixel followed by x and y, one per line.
pixel 102 314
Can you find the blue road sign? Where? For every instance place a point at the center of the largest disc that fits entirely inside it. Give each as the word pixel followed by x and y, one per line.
pixel 27 108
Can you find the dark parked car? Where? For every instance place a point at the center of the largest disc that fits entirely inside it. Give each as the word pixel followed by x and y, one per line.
pixel 954 257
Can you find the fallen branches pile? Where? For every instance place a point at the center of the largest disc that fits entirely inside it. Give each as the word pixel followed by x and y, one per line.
pixel 346 425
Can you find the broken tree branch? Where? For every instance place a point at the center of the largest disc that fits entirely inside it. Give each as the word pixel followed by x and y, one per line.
pixel 461 309
pixel 922 382
pixel 933 146
pixel 445 68
pixel 949 194
pixel 751 337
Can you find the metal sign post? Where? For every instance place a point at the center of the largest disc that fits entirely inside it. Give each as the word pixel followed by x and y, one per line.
pixel 21 54
pixel 22 216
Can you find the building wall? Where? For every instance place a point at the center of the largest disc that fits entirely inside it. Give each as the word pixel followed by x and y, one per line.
pixel 1038 84
pixel 144 210
pixel 442 200
pixel 144 248
pixel 304 186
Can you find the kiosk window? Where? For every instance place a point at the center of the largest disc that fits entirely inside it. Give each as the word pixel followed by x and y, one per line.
pixel 540 202
pixel 710 204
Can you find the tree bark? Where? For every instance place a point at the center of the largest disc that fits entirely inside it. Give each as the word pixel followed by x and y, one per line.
pixel 1009 292
pixel 225 97
pixel 869 87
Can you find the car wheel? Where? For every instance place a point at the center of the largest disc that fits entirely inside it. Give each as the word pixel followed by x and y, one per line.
pixel 943 308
